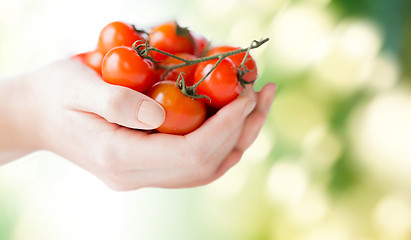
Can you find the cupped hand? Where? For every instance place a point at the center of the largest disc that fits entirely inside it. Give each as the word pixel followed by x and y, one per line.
pixel 103 129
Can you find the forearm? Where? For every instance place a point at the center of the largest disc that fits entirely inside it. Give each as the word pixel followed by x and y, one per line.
pixel 17 121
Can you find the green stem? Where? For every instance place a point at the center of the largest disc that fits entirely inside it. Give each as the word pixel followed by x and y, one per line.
pixel 169 54
pixel 242 69
pixel 245 58
pixel 189 62
pixel 189 91
pixel 208 73
pixel 143 49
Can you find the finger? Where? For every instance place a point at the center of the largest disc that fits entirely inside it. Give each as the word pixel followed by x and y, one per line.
pixel 232 159
pixel 257 118
pixel 170 178
pixel 214 132
pixel 116 104
pixel 166 151
pixel 177 151
pixel 165 178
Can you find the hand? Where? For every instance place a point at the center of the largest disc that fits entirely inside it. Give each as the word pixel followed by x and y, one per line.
pixel 94 125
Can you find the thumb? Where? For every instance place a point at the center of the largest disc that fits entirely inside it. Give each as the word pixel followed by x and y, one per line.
pixel 128 108
pixel 116 104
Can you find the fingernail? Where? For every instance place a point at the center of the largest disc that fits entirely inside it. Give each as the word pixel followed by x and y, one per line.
pixel 151 114
pixel 249 107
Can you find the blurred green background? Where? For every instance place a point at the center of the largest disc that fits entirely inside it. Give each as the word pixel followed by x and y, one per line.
pixel 333 161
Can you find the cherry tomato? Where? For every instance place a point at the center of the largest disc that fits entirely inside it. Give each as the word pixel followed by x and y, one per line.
pixel 201 44
pixel 221 85
pixel 123 66
pixel 183 114
pixel 94 59
pixel 237 59
pixel 80 57
pixel 91 59
pixel 117 34
pixel 188 71
pixel 171 38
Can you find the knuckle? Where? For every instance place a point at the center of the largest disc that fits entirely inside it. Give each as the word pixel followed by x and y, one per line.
pixel 120 183
pixel 116 186
pixel 107 159
pixel 117 180
pixel 113 171
pixel 206 170
pixel 114 103
pixel 115 98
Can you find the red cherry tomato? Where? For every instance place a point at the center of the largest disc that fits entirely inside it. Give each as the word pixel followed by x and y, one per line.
pixel 221 85
pixel 201 44
pixel 123 66
pixel 94 59
pixel 183 114
pixel 188 71
pixel 237 59
pixel 80 57
pixel 117 34
pixel 171 38
pixel 91 59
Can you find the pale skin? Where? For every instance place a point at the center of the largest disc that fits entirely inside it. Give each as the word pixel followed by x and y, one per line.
pixel 66 108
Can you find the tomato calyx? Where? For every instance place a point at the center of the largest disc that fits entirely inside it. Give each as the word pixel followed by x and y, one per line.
pixel 189 91
pixel 184 32
pixel 138 30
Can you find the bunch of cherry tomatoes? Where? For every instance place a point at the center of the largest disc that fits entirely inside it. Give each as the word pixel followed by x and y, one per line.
pixel 175 66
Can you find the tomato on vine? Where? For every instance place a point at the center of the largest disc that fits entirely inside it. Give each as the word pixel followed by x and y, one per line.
pixel 175 67
pixel 123 66
pixel 183 114
pixel 221 85
pixel 171 38
pixel 187 71
pixel 117 34
pixel 251 67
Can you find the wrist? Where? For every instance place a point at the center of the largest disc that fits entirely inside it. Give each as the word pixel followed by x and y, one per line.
pixel 18 121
